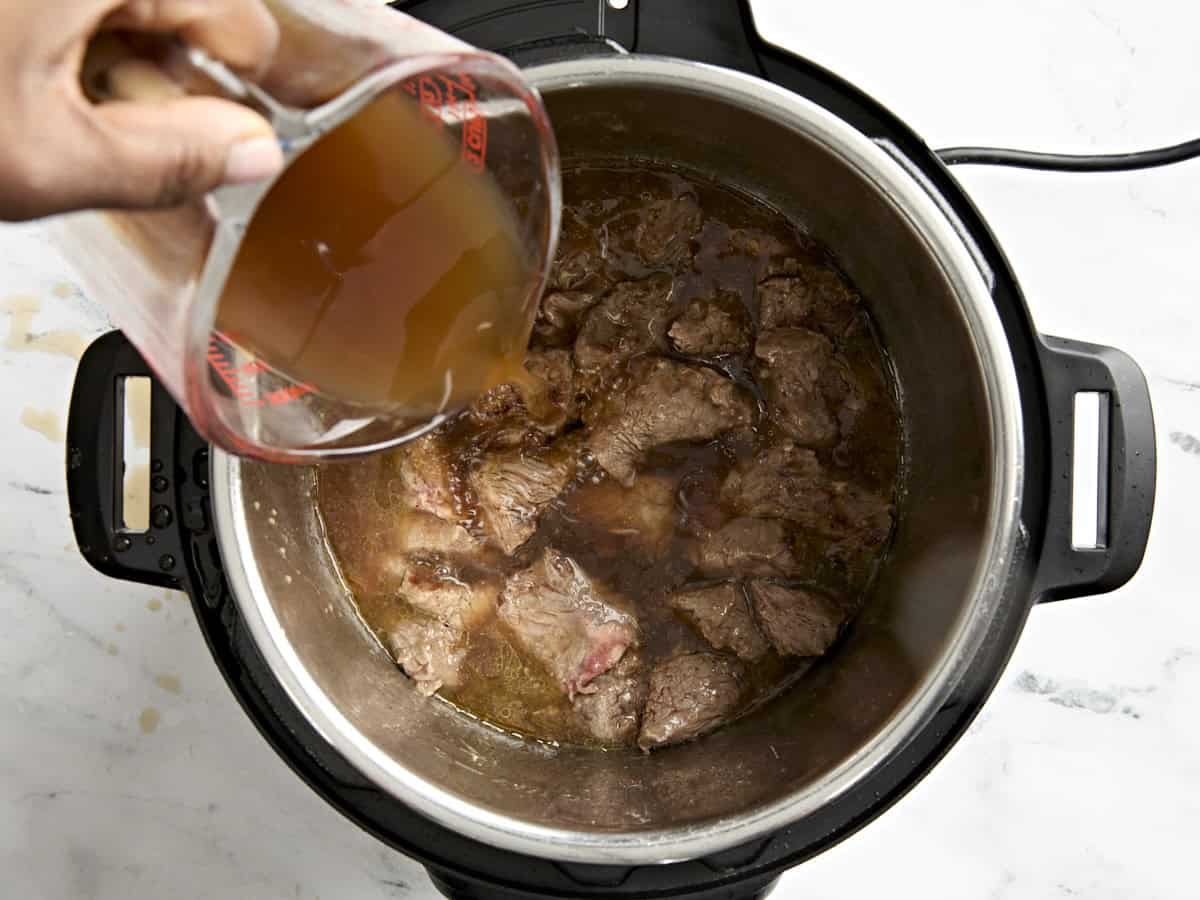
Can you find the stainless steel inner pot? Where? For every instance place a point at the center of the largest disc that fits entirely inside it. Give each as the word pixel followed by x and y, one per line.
pixel 931 608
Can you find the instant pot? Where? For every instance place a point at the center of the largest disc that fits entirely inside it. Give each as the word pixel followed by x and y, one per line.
pixel 984 518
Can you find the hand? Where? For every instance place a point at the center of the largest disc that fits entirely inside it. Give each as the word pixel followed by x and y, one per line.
pixel 61 152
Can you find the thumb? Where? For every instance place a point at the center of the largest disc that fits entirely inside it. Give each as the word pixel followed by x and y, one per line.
pixel 163 152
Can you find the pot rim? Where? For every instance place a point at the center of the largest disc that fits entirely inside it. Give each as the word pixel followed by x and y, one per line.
pixel 955 256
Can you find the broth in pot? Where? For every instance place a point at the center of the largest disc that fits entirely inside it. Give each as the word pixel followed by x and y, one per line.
pixel 677 508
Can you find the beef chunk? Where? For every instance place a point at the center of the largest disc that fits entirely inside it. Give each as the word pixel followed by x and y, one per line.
pixel 580 258
pixel 721 615
pixel 612 711
pixel 746 547
pixel 818 299
pixel 786 481
pixel 641 517
pixel 512 486
pixel 559 316
pixel 771 254
pixel 797 621
pixel 689 695
pixel 445 594
pixel 791 363
pixel 629 321
pixel 556 371
pixel 426 475
pixel 576 628
pixel 663 402
pixel 665 230
pixel 710 326
pixel 378 563
pixel 430 652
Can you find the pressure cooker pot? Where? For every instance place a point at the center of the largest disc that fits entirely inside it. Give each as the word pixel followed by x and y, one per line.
pixel 983 531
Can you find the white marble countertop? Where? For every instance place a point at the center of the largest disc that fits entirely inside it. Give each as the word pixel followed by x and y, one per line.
pixel 128 770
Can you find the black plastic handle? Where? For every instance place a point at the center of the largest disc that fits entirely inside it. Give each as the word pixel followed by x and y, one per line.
pixel 1070 367
pixel 95 469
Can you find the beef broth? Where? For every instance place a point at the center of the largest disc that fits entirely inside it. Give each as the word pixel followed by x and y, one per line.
pixel 675 512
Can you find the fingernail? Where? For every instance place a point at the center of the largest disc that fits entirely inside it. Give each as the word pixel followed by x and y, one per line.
pixel 253 160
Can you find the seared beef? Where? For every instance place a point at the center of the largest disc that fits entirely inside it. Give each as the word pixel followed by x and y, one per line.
pixel 797 621
pixel 746 547
pixel 613 708
pixel 512 486
pixel 575 627
pixel 559 316
pixel 785 481
pixel 430 652
pixel 666 228
pixel 711 326
pixel 663 402
pixel 580 259
pixel 791 363
pixel 445 593
pixel 556 371
pixel 689 695
pixel 426 476
pixel 818 298
pixel 720 613
pixel 629 321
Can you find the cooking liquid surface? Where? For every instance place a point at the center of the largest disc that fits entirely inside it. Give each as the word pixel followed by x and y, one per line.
pixel 383 269
pixel 500 682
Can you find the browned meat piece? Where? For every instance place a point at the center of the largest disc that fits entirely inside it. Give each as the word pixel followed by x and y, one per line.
pixel 629 321
pixel 426 476
pixel 663 402
pixel 612 711
pixel 556 370
pixel 559 316
pixel 797 621
pixel 788 482
pixel 512 486
pixel 818 298
pixel 711 326
pixel 576 628
pixel 665 230
pixel 579 259
pixel 791 363
pixel 773 255
pixel 720 613
pixel 430 653
pixel 641 517
pixel 689 695
pixel 378 562
pixel 445 594
pixel 746 547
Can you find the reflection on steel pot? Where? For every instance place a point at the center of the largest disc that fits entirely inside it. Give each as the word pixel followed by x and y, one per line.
pixel 983 531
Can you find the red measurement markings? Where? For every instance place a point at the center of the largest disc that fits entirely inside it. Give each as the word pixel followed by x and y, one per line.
pixel 247 394
pixel 453 98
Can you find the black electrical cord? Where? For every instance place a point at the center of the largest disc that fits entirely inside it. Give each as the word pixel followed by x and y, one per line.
pixel 1065 162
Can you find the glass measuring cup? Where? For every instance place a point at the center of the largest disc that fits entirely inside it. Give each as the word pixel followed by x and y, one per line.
pixel 248 320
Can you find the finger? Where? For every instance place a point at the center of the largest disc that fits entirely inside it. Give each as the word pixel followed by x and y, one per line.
pixel 143 154
pixel 241 33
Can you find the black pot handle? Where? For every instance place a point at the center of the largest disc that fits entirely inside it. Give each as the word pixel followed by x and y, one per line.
pixel 95 468
pixel 1070 367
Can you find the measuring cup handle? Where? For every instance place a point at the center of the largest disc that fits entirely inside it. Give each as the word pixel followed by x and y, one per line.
pixel 95 469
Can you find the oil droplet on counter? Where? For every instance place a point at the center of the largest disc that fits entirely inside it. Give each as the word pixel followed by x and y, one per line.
pixel 148 720
pixel 154 605
pixel 63 290
pixel 169 683
pixel 44 421
pixel 111 649
pixel 120 626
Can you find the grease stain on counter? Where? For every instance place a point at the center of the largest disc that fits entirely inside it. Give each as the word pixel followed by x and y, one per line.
pixel 21 309
pixel 154 604
pixel 172 684
pixel 44 421
pixel 1188 443
pixel 148 720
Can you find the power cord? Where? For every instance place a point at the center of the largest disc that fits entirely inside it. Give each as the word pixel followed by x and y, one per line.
pixel 1064 162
